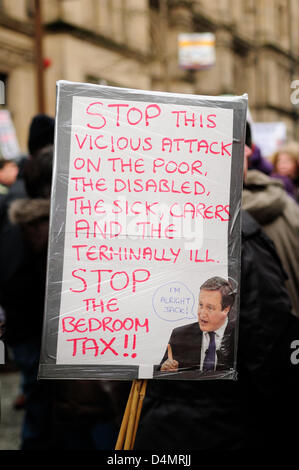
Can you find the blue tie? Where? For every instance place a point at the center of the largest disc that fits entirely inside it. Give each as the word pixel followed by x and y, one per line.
pixel 209 362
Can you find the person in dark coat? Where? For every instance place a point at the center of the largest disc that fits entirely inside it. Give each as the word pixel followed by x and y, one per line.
pixel 257 162
pixel 255 411
pixel 268 203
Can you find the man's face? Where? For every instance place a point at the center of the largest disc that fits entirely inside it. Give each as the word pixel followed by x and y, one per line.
pixel 210 313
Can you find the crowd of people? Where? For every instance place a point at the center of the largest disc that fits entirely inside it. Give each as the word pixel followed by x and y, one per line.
pixel 251 412
pixel 257 410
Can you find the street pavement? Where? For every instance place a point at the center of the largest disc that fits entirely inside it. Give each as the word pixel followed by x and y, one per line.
pixel 11 419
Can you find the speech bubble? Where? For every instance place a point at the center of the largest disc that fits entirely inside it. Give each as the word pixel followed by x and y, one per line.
pixel 173 302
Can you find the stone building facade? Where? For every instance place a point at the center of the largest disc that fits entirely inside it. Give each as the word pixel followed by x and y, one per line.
pixel 133 43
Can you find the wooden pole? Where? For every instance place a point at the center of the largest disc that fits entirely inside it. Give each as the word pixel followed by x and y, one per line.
pixel 163 20
pixel 39 56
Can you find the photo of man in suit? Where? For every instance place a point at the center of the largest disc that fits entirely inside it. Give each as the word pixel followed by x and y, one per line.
pixel 208 344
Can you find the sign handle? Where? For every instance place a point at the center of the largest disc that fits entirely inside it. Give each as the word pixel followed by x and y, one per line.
pixel 130 421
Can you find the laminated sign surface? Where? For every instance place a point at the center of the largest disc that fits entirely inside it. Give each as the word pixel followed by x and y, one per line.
pixel 144 244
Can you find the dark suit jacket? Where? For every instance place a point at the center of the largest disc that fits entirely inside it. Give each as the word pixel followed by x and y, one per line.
pixel 185 342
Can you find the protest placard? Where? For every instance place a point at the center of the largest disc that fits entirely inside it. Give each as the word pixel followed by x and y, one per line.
pixel 145 209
